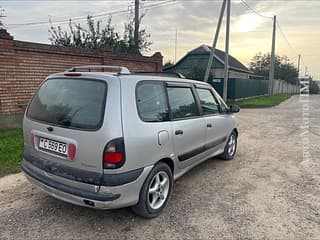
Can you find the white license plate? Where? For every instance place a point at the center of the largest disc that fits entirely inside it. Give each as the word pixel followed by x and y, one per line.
pixel 53 146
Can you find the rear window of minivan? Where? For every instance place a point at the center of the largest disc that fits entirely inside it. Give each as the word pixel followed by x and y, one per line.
pixel 71 103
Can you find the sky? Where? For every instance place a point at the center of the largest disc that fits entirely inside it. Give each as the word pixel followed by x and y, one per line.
pixel 195 22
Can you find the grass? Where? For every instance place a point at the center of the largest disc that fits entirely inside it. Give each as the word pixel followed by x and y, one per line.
pixel 262 102
pixel 11 143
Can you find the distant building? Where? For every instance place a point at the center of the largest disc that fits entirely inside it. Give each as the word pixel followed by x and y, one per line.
pixel 199 57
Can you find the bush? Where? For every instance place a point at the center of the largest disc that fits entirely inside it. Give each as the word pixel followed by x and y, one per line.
pixel 314 88
pixel 197 73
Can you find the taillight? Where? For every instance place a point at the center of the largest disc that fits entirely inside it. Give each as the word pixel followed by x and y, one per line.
pixel 72 151
pixel 112 157
pixel 32 140
pixel 114 154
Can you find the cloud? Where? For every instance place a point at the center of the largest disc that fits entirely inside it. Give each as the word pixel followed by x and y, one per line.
pixel 247 22
pixel 195 21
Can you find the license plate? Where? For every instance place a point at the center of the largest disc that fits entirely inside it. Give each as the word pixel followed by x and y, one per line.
pixel 53 146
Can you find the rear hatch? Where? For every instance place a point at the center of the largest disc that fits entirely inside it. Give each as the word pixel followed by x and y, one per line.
pixel 63 128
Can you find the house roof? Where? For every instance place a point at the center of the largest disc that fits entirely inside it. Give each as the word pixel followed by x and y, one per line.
pixel 219 55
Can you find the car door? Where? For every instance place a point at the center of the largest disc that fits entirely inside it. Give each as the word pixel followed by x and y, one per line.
pixel 188 127
pixel 216 122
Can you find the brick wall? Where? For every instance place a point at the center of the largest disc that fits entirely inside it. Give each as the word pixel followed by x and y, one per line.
pixel 23 65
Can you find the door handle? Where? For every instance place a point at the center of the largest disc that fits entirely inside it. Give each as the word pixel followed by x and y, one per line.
pixel 209 125
pixel 179 132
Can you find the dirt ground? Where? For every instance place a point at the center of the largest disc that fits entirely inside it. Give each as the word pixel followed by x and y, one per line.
pixel 269 191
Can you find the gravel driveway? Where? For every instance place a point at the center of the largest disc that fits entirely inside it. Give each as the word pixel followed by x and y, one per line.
pixel 268 191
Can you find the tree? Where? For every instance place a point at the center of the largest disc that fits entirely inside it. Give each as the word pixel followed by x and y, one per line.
pixel 92 38
pixel 197 73
pixel 314 87
pixel 284 69
pixel 1 17
pixel 128 37
pixel 97 37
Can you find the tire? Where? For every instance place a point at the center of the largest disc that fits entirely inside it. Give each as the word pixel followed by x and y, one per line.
pixel 155 193
pixel 231 147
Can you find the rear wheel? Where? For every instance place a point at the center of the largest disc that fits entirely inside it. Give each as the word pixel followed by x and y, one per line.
pixel 155 192
pixel 231 147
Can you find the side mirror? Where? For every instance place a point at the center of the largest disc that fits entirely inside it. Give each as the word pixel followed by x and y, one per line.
pixel 234 108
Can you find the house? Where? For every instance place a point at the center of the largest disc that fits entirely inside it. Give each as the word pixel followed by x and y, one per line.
pixel 199 57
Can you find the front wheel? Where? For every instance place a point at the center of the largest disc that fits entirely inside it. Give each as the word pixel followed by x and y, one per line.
pixel 155 192
pixel 231 147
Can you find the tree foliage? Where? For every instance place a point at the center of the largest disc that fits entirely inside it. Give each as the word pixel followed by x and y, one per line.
pixel 314 87
pixel 1 17
pixel 198 73
pixel 128 37
pixel 284 69
pixel 94 36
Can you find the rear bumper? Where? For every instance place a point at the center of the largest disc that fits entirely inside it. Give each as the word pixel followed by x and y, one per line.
pixel 53 184
pixel 101 197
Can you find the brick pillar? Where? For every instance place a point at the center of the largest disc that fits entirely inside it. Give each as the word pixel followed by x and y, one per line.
pixel 158 59
pixel 7 75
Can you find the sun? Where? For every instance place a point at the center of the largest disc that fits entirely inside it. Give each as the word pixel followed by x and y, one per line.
pixel 247 22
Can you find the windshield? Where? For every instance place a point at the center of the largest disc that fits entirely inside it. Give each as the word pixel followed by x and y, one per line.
pixel 74 103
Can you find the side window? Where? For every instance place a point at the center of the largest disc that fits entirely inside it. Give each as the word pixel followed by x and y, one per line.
pixel 182 102
pixel 151 102
pixel 208 102
pixel 223 105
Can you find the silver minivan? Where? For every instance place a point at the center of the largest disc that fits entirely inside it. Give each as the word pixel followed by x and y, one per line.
pixel 116 139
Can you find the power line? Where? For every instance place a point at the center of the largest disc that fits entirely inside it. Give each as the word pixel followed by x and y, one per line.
pixel 268 17
pixel 289 44
pixel 303 61
pixel 67 15
pixel 150 6
pixel 63 17
pixel 279 27
pixel 285 38
pixel 256 12
pixel 65 20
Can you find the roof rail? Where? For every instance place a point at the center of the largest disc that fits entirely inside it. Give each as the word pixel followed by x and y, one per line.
pixel 122 70
pixel 165 74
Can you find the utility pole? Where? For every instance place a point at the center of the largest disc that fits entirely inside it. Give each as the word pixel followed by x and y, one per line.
pixel 271 73
pixel 136 25
pixel 175 47
pixel 226 56
pixel 215 40
pixel 299 60
pixel 298 81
